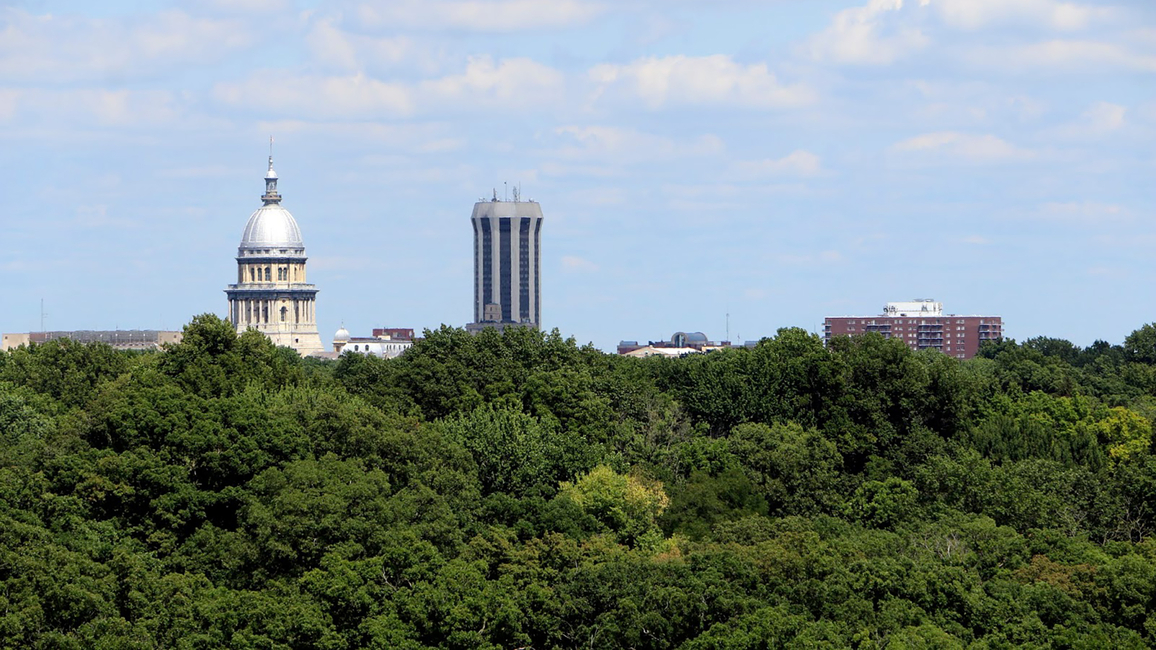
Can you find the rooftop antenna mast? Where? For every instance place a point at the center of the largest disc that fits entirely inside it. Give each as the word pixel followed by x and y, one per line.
pixel 42 314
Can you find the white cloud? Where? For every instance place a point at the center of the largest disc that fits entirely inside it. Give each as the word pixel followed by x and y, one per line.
pixel 205 171
pixel 70 48
pixel 865 35
pixel 1062 55
pixel 240 6
pixel 8 102
pixel 1103 117
pixel 1146 111
pixel 975 14
pixel 801 163
pixel 96 216
pixel 336 48
pixel 135 109
pixel 1100 119
pixel 622 145
pixel 705 80
pixel 804 259
pixel 1026 107
pixel 976 240
pixel 511 83
pixel 972 104
pixel 399 138
pixel 317 97
pixel 478 15
pixel 1086 212
pixel 963 146
pixel 577 264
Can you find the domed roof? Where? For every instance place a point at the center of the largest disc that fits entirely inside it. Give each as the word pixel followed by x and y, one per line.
pixel 271 226
pixel 341 335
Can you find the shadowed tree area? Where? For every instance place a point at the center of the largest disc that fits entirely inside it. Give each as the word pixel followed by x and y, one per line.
pixel 517 490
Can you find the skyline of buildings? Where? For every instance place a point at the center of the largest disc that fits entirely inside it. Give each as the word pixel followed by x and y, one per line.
pixel 272 295
pixel 742 158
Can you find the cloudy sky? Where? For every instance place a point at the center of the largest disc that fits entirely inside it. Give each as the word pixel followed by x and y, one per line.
pixel 776 160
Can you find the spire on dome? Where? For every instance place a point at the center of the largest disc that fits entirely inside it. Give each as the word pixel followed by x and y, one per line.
pixel 271 195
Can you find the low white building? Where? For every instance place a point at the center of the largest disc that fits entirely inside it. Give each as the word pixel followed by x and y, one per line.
pixel 385 343
pixel 653 351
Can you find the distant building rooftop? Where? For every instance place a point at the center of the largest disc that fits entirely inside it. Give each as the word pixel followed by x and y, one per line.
pixel 119 339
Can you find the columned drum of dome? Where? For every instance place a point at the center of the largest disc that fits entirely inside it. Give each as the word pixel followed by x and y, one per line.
pixel 271 294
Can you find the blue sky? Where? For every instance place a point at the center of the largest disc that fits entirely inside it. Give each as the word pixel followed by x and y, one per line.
pixel 780 161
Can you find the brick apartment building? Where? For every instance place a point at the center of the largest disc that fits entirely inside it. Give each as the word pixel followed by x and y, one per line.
pixel 921 324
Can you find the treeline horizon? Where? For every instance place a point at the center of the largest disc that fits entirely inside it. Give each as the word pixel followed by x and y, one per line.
pixel 517 490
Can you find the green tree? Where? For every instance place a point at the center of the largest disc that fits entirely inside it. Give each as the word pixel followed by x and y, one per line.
pixel 796 470
pixel 1140 345
pixel 884 504
pixel 625 504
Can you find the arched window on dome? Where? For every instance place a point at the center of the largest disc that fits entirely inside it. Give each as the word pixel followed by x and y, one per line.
pixel 268 274
pixel 284 313
pixel 252 274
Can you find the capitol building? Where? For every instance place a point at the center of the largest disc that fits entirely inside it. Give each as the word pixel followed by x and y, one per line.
pixel 271 294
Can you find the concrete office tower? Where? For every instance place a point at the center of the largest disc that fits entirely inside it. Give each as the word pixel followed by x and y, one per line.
pixel 271 294
pixel 507 264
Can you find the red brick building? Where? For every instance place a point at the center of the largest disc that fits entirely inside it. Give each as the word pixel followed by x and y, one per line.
pixel 921 324
pixel 395 333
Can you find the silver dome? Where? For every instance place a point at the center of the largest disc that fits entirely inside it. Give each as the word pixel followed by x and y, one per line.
pixel 271 226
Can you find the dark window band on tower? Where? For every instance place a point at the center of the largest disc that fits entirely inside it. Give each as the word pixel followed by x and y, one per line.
pixel 487 263
pixel 504 266
pixel 538 272
pixel 524 269
pixel 477 260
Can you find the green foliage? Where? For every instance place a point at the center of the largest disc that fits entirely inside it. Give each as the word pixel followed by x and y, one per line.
pixel 1140 346
pixel 516 490
pixel 705 500
pixel 513 451
pixel 627 505
pixel 796 471
pixel 62 369
pixel 883 504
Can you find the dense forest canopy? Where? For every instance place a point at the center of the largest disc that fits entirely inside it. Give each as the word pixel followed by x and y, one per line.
pixel 519 491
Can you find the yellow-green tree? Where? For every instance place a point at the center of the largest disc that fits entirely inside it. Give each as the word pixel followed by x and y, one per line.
pixel 627 504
